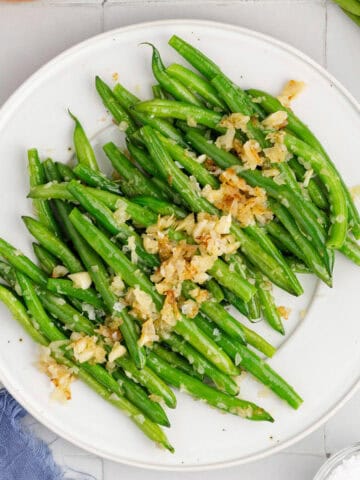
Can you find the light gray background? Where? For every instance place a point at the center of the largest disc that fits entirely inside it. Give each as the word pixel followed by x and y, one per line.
pixel 31 33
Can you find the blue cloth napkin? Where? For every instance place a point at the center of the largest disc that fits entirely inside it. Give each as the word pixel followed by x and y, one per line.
pixel 23 456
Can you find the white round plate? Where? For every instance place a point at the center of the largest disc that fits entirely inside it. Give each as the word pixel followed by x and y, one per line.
pixel 320 355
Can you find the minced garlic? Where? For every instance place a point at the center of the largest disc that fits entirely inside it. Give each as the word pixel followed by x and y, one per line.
pixel 245 203
pixel 148 334
pixel 117 286
pixel 81 280
pixel 291 90
pixel 278 152
pixel 238 121
pixel 86 349
pixel 249 154
pixel 284 312
pixel 120 215
pixel 109 331
pixel 117 351
pixel 142 305
pixel 59 271
pixel 60 375
pixel 276 120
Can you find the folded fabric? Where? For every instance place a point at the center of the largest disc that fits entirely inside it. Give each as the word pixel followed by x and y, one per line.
pixel 22 456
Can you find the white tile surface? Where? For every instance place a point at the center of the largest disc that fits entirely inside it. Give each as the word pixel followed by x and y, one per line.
pixel 343 47
pixel 45 30
pixel 316 27
pixel 291 20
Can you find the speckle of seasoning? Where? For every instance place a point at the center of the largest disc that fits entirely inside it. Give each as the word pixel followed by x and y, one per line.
pixel 69 149
pixel 328 455
pixel 20 339
pixel 271 437
pixel 8 341
pixel 223 429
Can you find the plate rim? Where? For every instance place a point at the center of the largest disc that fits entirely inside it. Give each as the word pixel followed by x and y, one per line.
pixel 7 109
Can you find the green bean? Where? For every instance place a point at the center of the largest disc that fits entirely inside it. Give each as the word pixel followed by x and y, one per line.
pixel 22 263
pixel 176 360
pixel 210 395
pixel 142 158
pixel 232 280
pixel 150 428
pixel 96 179
pixel 296 126
pixel 207 67
pixel 105 218
pixel 351 249
pixel 178 154
pixel 200 364
pixel 182 111
pixel 218 314
pixel 40 319
pixel 197 59
pixel 171 85
pixel 55 246
pixel 110 102
pixel 317 215
pixel 281 193
pixel 127 101
pixel 132 276
pixel 327 174
pixel 158 92
pixel 196 83
pixel 7 273
pixel 46 259
pixel 309 253
pixel 252 308
pixel 37 177
pixel 354 18
pixel 250 362
pixel 60 191
pixel 96 371
pixel 65 171
pixel 149 379
pixel 18 311
pixel 127 170
pixel 170 172
pixel 100 278
pixel 159 206
pixel 65 313
pixel 215 290
pixel 236 302
pixel 65 287
pixel 265 242
pixel 268 307
pixel 286 242
pixel 83 149
pixel 235 98
pixel 350 6
pixel 297 265
pixel 196 203
pixel 314 189
pixel 137 396
pixel 201 144
pixel 51 190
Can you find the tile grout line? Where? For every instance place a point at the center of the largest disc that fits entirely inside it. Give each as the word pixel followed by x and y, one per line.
pixel 325 34
pixel 103 15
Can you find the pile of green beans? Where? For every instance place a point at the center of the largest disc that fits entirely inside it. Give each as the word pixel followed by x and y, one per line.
pixel 78 231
